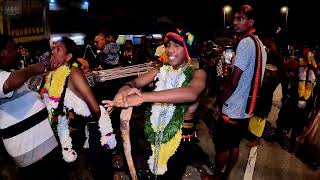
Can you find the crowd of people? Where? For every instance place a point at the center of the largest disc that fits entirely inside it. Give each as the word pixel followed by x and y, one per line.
pixel 73 120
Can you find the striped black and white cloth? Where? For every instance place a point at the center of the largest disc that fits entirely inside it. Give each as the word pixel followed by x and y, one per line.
pixel 24 125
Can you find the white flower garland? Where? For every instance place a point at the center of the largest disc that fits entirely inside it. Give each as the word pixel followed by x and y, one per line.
pixel 69 154
pixel 160 170
pixel 168 78
pixel 108 139
pixel 105 127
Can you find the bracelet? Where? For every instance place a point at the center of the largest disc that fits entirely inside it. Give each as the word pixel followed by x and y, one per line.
pixel 128 85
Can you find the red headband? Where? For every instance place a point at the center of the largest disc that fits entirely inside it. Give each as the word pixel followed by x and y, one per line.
pixel 171 36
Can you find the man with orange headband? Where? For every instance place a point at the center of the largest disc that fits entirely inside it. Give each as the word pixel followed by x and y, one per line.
pixel 170 122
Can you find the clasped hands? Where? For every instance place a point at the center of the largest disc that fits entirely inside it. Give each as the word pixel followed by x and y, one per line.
pixel 124 98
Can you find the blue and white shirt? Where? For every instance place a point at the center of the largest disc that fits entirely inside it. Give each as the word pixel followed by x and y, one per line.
pixel 235 106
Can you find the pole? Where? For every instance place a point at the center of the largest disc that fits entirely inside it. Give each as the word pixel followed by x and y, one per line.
pixel 287 18
pixel 224 18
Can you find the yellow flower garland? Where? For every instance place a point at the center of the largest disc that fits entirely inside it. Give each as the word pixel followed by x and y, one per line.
pixel 166 151
pixel 55 81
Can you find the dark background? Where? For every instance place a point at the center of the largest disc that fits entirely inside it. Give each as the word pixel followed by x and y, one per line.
pixel 203 17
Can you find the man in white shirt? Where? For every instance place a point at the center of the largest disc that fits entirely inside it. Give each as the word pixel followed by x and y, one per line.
pixel 24 127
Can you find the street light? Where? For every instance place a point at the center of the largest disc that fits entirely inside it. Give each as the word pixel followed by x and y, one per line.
pixel 226 10
pixel 85 5
pixel 285 10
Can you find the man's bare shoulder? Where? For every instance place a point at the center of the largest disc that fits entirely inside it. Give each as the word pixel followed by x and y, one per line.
pixel 199 80
pixel 200 73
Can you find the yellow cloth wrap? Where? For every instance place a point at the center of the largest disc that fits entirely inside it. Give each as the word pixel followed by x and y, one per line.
pixel 256 125
pixel 308 90
pixel 301 88
pixel 165 152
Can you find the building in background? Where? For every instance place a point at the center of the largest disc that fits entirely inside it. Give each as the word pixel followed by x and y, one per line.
pixel 25 20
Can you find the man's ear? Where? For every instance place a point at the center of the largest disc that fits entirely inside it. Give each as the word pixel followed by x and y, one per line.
pixel 251 22
pixel 69 57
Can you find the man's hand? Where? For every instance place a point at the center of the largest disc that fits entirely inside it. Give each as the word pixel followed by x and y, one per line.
pixel 131 100
pixel 134 100
pixel 108 104
pixel 123 94
pixel 121 98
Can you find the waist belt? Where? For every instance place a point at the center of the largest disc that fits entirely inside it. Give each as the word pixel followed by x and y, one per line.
pixel 189 136
pixel 24 125
pixel 188 125
pixel 188 129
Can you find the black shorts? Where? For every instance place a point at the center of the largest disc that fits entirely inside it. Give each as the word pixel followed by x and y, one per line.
pixel 228 136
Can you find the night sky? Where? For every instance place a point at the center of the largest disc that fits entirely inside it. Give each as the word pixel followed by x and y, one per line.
pixel 201 16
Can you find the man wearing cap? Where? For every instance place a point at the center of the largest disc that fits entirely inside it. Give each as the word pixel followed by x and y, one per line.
pixel 170 122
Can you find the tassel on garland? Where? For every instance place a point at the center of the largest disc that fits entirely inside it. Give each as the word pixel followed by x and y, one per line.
pixel 107 139
pixel 69 155
pixel 107 136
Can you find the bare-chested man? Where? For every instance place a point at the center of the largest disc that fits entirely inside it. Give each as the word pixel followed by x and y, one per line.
pixel 175 98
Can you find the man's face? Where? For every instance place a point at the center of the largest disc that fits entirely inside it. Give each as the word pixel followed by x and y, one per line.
pixel 59 55
pixel 100 42
pixel 8 56
pixel 109 39
pixel 203 46
pixel 176 54
pixel 241 23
